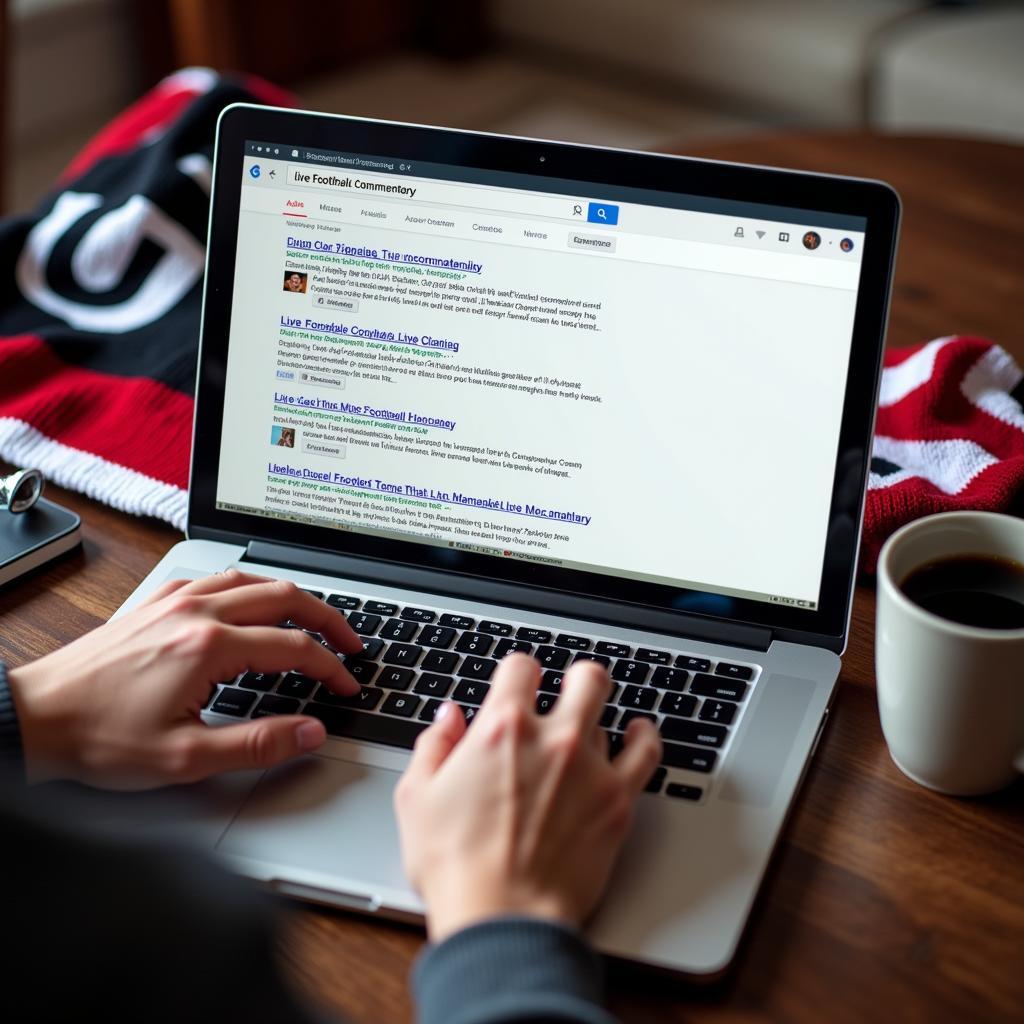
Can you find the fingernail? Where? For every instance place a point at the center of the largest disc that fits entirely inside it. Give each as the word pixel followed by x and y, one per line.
pixel 442 712
pixel 310 735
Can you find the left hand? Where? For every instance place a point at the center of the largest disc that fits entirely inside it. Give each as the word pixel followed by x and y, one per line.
pixel 120 707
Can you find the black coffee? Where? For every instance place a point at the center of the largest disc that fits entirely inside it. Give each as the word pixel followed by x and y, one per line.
pixel 976 590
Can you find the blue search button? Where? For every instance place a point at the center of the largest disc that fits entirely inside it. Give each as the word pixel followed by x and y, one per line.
pixel 603 213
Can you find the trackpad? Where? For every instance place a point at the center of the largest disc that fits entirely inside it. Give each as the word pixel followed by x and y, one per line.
pixel 325 815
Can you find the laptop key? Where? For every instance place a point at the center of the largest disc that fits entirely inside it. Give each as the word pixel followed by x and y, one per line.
pixel 477 668
pixel 506 647
pixel 702 733
pixel 669 678
pixel 456 621
pixel 675 755
pixel 723 668
pixel 318 594
pixel 396 678
pixel 440 637
pixel 361 671
pixel 682 792
pixel 715 686
pixel 495 628
pixel 640 697
pixel 262 681
pixel 612 650
pixel 211 696
pixel 693 664
pixel 396 629
pixel 371 649
pixel 380 608
pixel 656 657
pixel 364 624
pixel 439 661
pixel 720 711
pixel 533 636
pixel 469 712
pixel 429 710
pixel 357 725
pixel 545 702
pixel 433 685
pixel 272 704
pixel 367 698
pixel 231 701
pixel 601 659
pixel 343 601
pixel 608 716
pixel 574 643
pixel 475 643
pixel 630 672
pixel 628 716
pixel 400 704
pixel 418 614
pixel 552 657
pixel 682 705
pixel 655 782
pixel 551 682
pixel 402 654
pixel 470 692
pixel 615 743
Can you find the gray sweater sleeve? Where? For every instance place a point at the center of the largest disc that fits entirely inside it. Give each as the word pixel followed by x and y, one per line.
pixel 511 969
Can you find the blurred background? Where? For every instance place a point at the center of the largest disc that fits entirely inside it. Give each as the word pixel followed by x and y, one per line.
pixel 643 74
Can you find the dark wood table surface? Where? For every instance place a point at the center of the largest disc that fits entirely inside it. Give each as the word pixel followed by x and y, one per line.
pixel 885 901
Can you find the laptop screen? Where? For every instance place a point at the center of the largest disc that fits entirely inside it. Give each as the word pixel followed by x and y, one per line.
pixel 633 383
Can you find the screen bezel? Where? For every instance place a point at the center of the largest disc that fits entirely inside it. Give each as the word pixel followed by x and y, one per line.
pixel 875 201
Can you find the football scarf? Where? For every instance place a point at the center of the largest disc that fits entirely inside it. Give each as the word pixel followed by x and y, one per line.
pixel 99 307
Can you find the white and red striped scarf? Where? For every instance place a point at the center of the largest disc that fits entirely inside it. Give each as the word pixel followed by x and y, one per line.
pixel 949 436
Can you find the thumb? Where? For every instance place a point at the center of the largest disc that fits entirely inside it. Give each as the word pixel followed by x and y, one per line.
pixel 435 744
pixel 260 744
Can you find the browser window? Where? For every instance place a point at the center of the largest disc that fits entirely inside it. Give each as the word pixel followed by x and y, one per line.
pixel 632 388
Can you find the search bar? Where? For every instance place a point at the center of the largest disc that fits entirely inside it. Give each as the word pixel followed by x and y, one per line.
pixel 371 188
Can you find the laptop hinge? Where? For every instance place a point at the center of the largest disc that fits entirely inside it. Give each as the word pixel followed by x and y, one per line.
pixel 540 599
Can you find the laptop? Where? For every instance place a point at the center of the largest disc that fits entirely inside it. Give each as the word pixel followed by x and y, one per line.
pixel 484 394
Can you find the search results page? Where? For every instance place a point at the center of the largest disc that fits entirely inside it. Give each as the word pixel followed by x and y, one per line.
pixel 626 389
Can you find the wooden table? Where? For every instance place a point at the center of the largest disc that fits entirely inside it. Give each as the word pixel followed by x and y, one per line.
pixel 885 901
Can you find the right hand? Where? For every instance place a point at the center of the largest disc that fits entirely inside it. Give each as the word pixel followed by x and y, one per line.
pixel 521 814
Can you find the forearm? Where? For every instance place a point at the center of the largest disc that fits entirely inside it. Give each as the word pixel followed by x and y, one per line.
pixel 511 969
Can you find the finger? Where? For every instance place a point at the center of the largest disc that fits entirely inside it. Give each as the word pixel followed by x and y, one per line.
pixel 218 581
pixel 640 755
pixel 585 690
pixel 164 590
pixel 516 681
pixel 271 601
pixel 235 649
pixel 433 745
pixel 202 750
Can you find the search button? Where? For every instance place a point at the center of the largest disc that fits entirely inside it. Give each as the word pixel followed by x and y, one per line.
pixel 603 213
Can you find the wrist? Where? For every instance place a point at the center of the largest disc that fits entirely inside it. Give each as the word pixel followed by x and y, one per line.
pixel 453 908
pixel 47 729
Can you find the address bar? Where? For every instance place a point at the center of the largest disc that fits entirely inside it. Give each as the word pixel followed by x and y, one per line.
pixel 369 187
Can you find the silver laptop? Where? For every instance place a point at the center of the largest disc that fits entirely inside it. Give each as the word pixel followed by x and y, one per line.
pixel 484 394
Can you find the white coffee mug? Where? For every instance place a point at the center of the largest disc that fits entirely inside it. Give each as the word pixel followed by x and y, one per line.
pixel 950 696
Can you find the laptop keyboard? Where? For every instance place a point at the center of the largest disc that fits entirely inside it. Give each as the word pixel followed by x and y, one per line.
pixel 415 658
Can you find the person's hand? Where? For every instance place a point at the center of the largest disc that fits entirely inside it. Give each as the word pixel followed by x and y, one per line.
pixel 520 814
pixel 120 707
